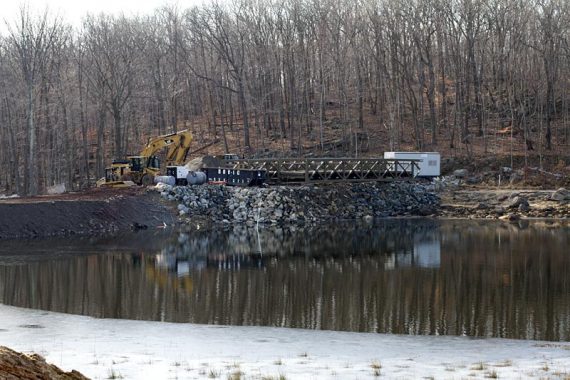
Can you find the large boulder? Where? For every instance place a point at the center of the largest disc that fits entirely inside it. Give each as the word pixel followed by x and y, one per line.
pixel 516 201
pixel 561 195
pixel 460 173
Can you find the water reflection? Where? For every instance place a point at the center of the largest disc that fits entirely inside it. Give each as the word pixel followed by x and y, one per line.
pixel 397 244
pixel 400 276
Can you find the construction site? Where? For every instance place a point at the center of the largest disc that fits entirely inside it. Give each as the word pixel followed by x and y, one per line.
pixel 173 181
pixel 121 199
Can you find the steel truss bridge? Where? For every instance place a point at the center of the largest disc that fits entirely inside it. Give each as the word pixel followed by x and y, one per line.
pixel 322 170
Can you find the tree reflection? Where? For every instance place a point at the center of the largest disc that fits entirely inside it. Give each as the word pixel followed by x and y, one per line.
pixel 402 276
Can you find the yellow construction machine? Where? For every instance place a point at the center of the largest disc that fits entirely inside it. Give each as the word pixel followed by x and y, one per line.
pixel 142 168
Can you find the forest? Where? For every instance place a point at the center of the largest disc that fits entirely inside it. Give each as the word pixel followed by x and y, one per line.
pixel 288 78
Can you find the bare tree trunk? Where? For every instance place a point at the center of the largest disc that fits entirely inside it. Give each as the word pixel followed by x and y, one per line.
pixel 13 149
pixel 117 132
pixel 244 111
pixel 443 86
pixel 431 102
pixel 83 123
pixel 158 89
pixel 69 147
pixel 549 103
pixel 360 96
pixel 477 90
pixel 100 143
pixel 32 160
pixel 321 100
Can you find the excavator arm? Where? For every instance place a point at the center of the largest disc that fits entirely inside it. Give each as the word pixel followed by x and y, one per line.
pixel 178 145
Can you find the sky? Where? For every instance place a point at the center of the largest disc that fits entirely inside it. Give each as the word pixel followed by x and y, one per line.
pixel 72 11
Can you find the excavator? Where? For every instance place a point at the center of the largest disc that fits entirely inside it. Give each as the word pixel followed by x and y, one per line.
pixel 142 168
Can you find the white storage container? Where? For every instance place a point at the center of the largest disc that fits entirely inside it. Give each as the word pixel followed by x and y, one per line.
pixel 181 172
pixel 429 164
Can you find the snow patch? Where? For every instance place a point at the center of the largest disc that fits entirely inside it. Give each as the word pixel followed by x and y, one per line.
pixel 104 348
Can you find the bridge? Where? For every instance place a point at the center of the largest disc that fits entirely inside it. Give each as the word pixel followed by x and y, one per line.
pixel 322 170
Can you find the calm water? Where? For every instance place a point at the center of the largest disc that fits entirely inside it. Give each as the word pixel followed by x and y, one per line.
pixel 406 277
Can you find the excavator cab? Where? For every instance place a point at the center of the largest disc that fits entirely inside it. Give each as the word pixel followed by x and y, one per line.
pixel 139 163
pixel 152 162
pixel 136 163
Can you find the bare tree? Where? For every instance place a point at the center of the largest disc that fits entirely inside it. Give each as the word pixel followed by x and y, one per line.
pixel 114 47
pixel 32 40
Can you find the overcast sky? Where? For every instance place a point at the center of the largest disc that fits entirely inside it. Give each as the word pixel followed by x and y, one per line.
pixel 73 10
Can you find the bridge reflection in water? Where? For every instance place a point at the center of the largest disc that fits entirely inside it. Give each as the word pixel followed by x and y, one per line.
pixel 399 276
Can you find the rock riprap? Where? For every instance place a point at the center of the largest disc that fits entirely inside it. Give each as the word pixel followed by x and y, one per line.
pixel 301 204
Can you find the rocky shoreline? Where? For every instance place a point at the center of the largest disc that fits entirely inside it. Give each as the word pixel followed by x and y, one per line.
pixel 214 205
pixel 310 205
pixel 300 205
pixel 505 204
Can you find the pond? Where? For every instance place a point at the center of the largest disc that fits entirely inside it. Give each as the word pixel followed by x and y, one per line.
pixel 418 276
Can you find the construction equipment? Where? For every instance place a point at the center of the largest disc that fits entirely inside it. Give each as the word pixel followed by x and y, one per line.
pixel 142 168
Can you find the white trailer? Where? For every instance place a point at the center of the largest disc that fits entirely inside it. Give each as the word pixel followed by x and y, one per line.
pixel 429 161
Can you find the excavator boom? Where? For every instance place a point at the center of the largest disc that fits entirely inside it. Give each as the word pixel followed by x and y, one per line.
pixel 178 146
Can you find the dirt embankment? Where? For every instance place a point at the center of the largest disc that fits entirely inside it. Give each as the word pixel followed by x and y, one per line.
pixel 17 366
pixel 96 211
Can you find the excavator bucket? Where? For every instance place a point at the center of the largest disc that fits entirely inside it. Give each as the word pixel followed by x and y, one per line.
pixel 115 184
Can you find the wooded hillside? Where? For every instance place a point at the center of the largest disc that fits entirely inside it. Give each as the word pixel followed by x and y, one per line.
pixel 293 77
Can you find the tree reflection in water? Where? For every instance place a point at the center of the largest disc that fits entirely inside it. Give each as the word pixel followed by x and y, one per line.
pixel 398 276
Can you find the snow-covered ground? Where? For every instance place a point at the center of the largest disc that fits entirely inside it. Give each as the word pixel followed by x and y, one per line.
pixel 106 348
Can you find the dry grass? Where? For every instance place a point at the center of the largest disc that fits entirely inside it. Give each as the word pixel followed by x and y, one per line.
pixel 479 367
pixel 214 374
pixel 505 363
pixel 278 377
pixel 237 375
pixel 112 374
pixel 375 365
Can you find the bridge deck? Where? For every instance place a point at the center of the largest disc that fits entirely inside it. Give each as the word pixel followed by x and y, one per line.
pixel 294 170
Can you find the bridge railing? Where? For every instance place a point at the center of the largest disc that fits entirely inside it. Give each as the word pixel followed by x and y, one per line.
pixel 331 169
